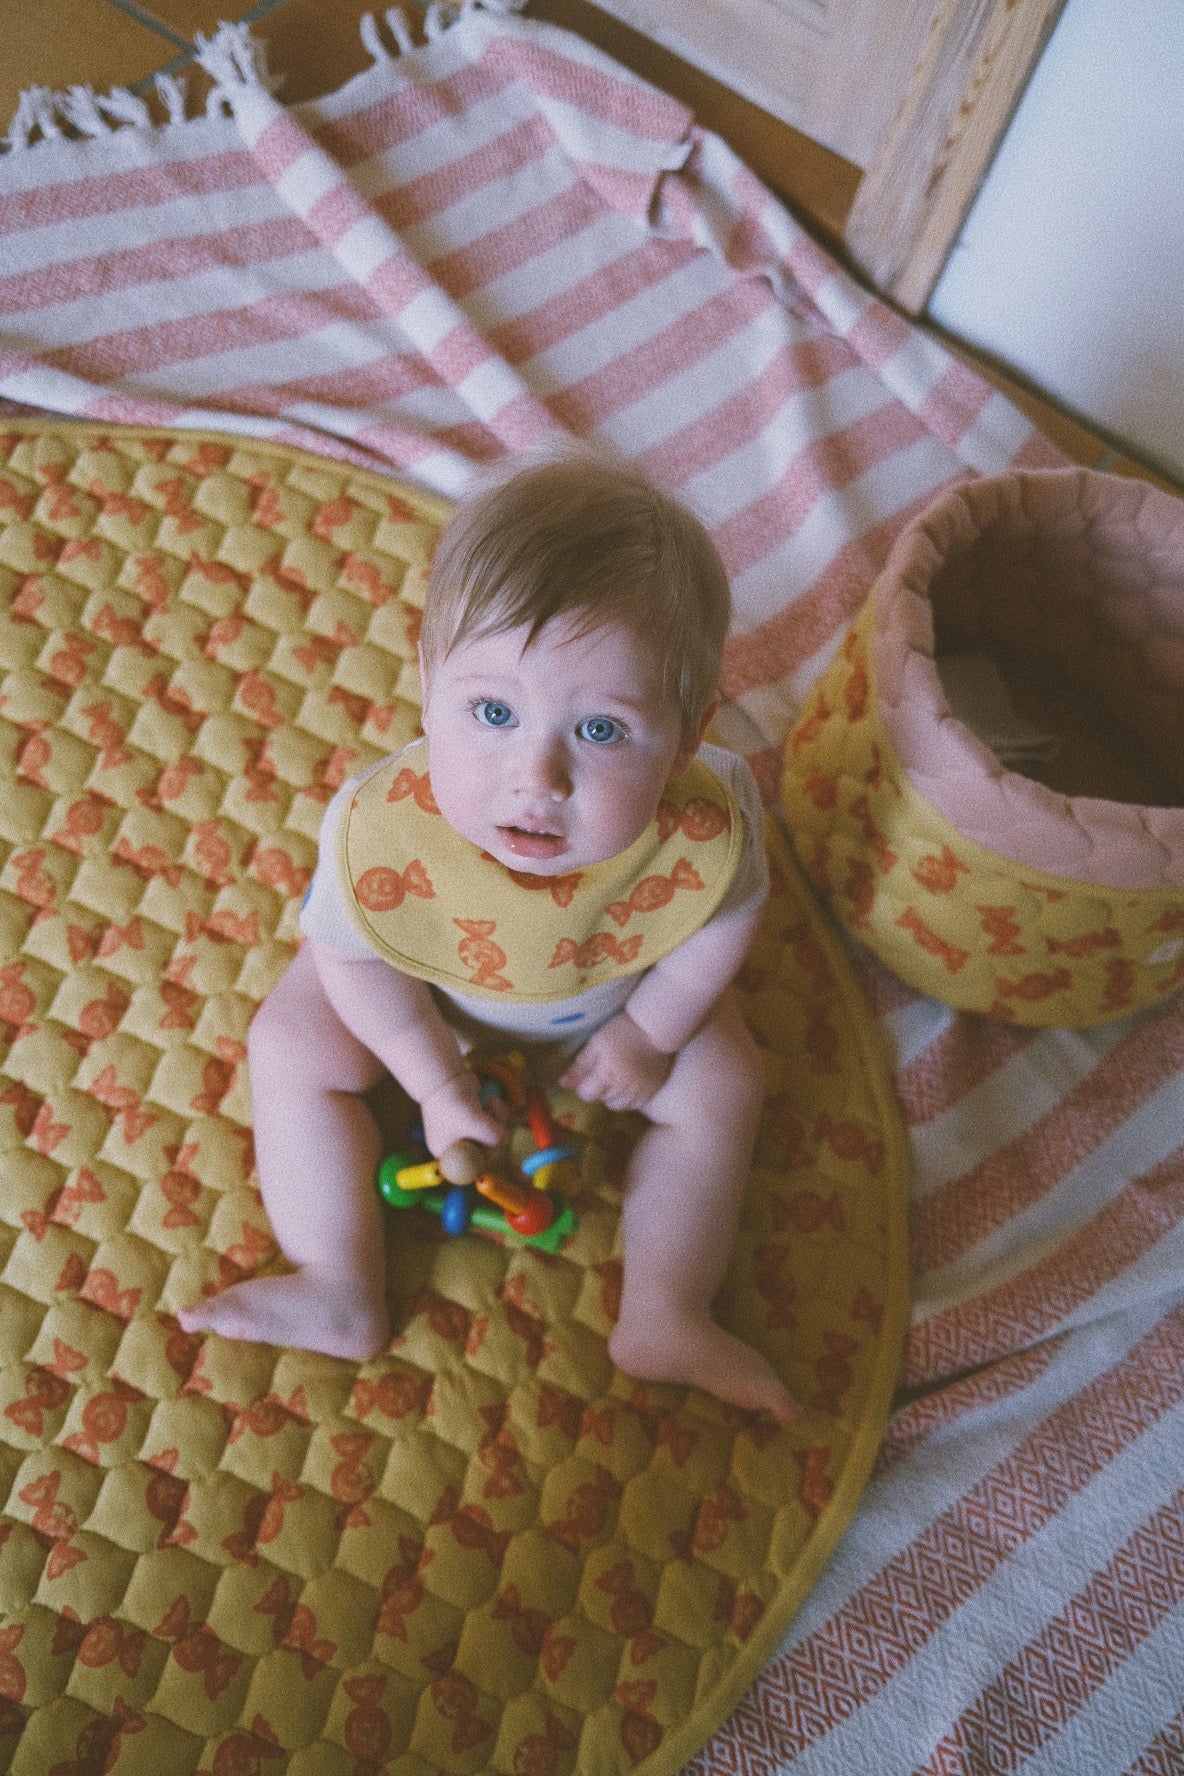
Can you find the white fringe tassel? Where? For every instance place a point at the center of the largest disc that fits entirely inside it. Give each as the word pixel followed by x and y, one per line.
pixel 372 41
pixel 173 93
pixel 233 59
pixel 438 17
pixel 46 116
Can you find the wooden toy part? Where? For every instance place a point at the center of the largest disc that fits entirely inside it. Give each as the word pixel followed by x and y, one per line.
pixel 507 1073
pixel 463 1162
pixel 513 1198
pixel 561 1177
pixel 389 1188
pixel 536 1217
pixel 538 1115
pixel 539 1164
pixel 418 1177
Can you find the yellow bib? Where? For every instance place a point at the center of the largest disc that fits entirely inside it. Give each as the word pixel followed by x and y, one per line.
pixel 429 901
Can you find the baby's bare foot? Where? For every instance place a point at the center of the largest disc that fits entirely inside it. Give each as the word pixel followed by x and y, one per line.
pixel 309 1311
pixel 702 1354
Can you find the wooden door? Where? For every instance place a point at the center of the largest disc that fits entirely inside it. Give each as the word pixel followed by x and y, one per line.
pixel 914 94
pixel 833 69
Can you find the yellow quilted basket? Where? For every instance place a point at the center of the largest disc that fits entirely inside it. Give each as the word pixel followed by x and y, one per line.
pixel 987 782
pixel 484 1550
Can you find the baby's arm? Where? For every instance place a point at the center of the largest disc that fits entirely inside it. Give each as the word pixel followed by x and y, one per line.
pixel 396 1018
pixel 628 1059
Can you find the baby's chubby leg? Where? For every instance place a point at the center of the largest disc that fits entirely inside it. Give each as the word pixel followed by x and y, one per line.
pixel 317 1147
pixel 685 1189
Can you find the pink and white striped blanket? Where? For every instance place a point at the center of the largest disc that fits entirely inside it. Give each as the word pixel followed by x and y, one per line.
pixel 500 235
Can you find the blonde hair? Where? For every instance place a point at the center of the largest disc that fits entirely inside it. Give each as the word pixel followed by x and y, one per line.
pixel 574 534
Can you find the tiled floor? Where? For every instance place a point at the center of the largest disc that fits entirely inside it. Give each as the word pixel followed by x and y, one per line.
pixel 103 43
pixel 315 46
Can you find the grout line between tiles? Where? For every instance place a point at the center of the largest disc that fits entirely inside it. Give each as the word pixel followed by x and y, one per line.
pixel 252 16
pixel 157 26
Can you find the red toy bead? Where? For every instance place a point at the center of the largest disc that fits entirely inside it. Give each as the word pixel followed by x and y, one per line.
pixel 536 1217
pixel 538 1115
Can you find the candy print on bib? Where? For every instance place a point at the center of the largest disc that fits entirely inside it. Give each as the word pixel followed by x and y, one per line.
pixel 430 902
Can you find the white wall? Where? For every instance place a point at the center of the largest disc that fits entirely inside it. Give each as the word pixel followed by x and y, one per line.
pixel 1070 267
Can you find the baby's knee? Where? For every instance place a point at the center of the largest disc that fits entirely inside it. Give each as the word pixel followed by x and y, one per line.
pixel 736 1063
pixel 296 1036
pixel 749 1080
pixel 283 1032
pixel 721 1067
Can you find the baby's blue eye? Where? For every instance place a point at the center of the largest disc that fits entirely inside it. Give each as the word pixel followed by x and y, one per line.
pixel 602 730
pixel 495 715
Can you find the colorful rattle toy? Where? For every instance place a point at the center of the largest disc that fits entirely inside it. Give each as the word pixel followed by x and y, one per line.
pixel 465 1192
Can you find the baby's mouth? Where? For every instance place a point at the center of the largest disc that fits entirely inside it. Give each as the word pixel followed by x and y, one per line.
pixel 540 847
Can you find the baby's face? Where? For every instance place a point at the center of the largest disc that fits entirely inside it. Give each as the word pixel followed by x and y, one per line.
pixel 550 756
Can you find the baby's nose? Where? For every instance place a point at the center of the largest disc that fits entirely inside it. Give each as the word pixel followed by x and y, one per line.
pixel 543 770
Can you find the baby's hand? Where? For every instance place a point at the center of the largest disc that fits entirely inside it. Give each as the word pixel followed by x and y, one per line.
pixel 618 1066
pixel 454 1112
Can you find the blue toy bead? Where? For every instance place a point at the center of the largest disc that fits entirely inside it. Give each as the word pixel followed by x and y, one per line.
pixel 457 1211
pixel 547 1156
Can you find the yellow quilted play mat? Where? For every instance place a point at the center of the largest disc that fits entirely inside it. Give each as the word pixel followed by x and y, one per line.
pixel 484 1550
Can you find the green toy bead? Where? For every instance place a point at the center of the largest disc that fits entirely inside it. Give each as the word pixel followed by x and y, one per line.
pixel 389 1187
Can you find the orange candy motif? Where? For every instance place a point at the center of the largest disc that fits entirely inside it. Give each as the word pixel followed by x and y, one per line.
pixel 381 890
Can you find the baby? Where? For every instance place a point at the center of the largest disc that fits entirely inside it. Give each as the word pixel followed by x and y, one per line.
pixel 559 858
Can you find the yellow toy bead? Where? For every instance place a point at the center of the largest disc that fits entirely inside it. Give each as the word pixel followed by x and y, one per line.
pixel 419 1177
pixel 560 1175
